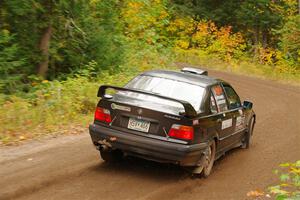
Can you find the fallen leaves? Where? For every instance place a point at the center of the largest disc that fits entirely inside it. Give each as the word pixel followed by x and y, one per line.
pixel 22 137
pixel 255 193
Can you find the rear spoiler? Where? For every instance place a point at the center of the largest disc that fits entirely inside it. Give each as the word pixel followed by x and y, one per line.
pixel 188 108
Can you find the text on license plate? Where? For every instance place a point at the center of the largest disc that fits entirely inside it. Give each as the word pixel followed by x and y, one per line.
pixel 138 125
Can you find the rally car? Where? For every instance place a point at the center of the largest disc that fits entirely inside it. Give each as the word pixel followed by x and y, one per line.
pixel 183 117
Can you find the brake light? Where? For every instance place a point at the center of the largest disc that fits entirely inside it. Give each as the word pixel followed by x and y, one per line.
pixel 181 132
pixel 102 114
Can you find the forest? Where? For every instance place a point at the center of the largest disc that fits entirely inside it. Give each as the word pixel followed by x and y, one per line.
pixel 55 53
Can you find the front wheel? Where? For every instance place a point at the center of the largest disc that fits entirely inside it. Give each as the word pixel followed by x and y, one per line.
pixel 247 137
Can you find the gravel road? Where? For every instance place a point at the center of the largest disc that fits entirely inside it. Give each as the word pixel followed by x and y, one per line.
pixel 68 167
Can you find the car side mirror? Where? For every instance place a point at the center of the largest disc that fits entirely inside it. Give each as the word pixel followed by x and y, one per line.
pixel 247 105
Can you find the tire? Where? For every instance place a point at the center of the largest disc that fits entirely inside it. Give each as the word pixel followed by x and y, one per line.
pixel 248 134
pixel 111 155
pixel 205 169
pixel 210 159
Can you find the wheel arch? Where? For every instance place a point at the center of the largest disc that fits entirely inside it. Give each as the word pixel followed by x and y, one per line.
pixel 254 116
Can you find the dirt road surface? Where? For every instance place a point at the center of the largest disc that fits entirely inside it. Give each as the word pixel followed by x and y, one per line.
pixel 69 167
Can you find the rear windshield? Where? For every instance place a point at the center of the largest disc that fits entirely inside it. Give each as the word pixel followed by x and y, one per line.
pixel 167 87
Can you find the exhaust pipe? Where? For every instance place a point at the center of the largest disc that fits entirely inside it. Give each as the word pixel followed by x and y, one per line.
pixel 103 145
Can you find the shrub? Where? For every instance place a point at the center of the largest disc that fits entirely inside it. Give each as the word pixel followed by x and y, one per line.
pixel 289 186
pixel 54 107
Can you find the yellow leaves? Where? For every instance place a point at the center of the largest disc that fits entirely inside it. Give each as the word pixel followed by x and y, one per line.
pixel 144 19
pixel 205 35
pixel 180 23
pixel 295 170
pixel 163 14
pixel 34 83
pixel 255 193
pixel 181 26
pixel 149 41
pixel 94 2
pixel 22 137
pixel 289 177
pixel 285 165
pixel 284 185
pixel 267 55
pixel 182 44
pixel 135 5
pixel 157 1
pixel 221 41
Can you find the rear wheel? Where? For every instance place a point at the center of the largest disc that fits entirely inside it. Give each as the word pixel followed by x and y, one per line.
pixel 206 167
pixel 210 159
pixel 247 137
pixel 111 155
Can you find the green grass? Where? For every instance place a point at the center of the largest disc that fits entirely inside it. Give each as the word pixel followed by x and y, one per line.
pixel 243 66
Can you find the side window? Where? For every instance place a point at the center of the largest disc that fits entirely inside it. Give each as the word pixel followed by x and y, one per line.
pixel 233 98
pixel 213 105
pixel 220 98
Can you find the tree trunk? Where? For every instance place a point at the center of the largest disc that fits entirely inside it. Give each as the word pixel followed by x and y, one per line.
pixel 256 35
pixel 256 41
pixel 265 38
pixel 44 48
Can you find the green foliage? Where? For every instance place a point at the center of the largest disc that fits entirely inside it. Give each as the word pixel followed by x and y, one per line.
pixel 289 177
pixel 54 107
pixel 113 31
pixel 290 39
pixel 81 31
pixel 106 44
pixel 79 42
pixel 9 63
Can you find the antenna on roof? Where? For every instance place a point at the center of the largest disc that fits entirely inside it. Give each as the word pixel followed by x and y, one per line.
pixel 194 71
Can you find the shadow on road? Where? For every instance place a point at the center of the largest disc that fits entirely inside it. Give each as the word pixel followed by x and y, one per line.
pixel 154 170
pixel 143 168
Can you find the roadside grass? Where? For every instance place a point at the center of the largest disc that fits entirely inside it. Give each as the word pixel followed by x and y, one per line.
pixel 243 66
pixel 53 107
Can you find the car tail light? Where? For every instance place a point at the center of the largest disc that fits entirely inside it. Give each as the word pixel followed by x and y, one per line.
pixel 103 115
pixel 181 132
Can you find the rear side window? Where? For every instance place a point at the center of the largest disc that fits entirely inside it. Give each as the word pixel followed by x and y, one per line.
pixel 233 98
pixel 219 95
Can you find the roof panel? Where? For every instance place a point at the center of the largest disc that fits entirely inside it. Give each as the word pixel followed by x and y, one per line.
pixel 195 79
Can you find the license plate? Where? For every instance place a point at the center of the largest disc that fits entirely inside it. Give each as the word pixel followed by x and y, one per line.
pixel 138 125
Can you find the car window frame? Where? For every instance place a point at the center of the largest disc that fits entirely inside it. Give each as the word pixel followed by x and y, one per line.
pixel 210 107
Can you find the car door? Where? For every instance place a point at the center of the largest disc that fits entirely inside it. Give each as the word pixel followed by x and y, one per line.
pixel 223 117
pixel 236 112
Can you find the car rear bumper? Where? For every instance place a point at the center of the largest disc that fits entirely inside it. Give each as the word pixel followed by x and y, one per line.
pixel 149 148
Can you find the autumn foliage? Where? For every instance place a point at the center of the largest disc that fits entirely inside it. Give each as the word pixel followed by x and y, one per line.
pixel 54 53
